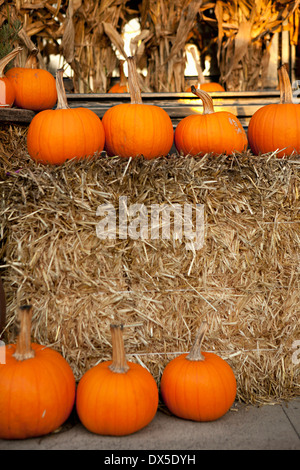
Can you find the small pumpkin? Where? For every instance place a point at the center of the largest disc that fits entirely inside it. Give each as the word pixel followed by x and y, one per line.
pixel 211 132
pixel 116 397
pixel 7 89
pixel 35 88
pixel 134 129
pixel 208 86
pixel 199 386
pixel 202 85
pixel 57 135
pixel 122 85
pixel 276 127
pixel 37 386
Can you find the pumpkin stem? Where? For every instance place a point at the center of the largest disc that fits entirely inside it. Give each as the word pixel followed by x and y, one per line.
pixel 31 62
pixel 195 353
pixel 23 346
pixel 119 364
pixel 208 106
pixel 123 78
pixel 62 102
pixel 133 82
pixel 285 87
pixel 5 60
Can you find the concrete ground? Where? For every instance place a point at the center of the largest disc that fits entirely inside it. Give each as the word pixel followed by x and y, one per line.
pixel 269 427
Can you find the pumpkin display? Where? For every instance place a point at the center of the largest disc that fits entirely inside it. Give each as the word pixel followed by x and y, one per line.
pixel 35 88
pixel 122 85
pixel 199 386
pixel 37 386
pixel 276 127
pixel 116 397
pixel 7 89
pixel 134 129
pixel 211 132
pixel 57 135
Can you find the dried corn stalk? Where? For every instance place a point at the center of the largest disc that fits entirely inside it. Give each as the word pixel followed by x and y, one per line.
pixel 244 33
pixel 165 28
pixel 75 30
pixel 82 32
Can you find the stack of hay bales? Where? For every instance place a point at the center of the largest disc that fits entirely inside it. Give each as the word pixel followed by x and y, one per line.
pixel 244 280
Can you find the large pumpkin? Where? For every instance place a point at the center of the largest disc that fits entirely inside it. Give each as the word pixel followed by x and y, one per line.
pixel 211 132
pixel 37 387
pixel 116 397
pixel 57 135
pixel 134 129
pixel 35 88
pixel 276 127
pixel 7 89
pixel 198 386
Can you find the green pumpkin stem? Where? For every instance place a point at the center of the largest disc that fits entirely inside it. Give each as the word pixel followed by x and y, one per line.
pixel 133 82
pixel 195 353
pixel 6 59
pixel 62 102
pixel 23 346
pixel 119 363
pixel 208 106
pixel 285 87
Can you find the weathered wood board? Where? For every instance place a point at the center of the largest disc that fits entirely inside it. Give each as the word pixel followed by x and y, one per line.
pixel 177 105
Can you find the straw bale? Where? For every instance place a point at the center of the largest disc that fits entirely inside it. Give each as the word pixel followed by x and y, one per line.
pixel 244 280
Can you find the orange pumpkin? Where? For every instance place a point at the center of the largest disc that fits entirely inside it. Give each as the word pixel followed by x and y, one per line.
pixel 116 397
pixel 7 89
pixel 35 88
pixel 208 86
pixel 122 85
pixel 37 387
pixel 211 132
pixel 118 88
pixel 134 129
pixel 211 86
pixel 57 135
pixel 276 127
pixel 198 386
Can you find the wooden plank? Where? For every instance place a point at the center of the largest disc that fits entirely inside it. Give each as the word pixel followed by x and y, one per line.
pixel 112 97
pixel 179 111
pixel 16 115
pixel 177 105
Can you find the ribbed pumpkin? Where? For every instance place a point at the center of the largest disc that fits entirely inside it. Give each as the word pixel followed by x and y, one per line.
pixel 122 85
pixel 35 88
pixel 37 387
pixel 211 132
pixel 198 386
pixel 57 135
pixel 134 129
pixel 116 397
pixel 7 89
pixel 276 127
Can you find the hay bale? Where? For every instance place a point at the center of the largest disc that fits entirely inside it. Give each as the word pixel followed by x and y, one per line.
pixel 244 281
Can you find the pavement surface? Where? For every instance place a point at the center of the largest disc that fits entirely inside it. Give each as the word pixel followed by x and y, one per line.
pixel 244 427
